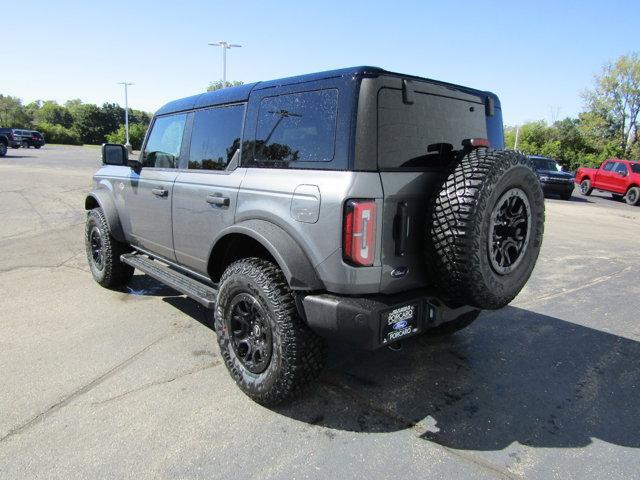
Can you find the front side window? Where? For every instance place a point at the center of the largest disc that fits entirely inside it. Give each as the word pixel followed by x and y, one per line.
pixel 297 127
pixel 216 137
pixel 621 168
pixel 165 141
pixel 608 166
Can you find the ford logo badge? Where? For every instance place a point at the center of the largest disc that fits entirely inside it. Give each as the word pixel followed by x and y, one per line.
pixel 399 272
pixel 400 325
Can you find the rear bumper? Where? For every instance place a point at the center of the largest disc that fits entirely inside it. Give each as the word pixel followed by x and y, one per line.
pixel 359 321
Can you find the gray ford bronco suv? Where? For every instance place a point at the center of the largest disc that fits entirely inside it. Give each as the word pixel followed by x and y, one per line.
pixel 358 205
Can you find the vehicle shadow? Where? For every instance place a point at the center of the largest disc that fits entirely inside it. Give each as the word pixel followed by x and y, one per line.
pixel 513 376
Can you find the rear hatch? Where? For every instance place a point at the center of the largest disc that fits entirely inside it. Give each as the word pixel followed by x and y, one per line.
pixel 421 127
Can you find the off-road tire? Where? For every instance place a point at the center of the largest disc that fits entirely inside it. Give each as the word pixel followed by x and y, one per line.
pixel 633 196
pixel 37 147
pixel 297 356
pixel 25 144
pixel 585 187
pixel 112 272
pixel 453 326
pixel 3 149
pixel 458 223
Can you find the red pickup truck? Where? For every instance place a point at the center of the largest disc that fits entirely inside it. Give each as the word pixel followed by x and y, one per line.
pixel 619 177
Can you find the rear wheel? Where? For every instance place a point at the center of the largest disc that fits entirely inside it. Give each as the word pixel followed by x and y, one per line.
pixel 103 252
pixel 633 196
pixel 3 149
pixel 485 228
pixel 25 144
pixel 585 187
pixel 37 146
pixel 269 350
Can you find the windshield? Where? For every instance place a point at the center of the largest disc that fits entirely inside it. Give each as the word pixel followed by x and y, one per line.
pixel 546 164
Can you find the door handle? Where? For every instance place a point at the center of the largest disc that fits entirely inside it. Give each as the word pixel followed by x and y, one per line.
pixel 160 192
pixel 218 200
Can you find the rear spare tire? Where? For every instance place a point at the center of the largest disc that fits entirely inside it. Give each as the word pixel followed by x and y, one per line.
pixel 484 229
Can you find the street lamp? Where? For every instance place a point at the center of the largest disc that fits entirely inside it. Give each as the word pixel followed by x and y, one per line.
pixel 225 46
pixel 126 114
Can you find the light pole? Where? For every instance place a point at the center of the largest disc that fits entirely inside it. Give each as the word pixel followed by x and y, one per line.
pixel 126 114
pixel 225 46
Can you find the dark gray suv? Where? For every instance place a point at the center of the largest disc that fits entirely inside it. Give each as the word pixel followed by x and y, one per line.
pixel 358 204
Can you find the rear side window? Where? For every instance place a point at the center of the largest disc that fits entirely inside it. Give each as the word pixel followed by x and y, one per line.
pixel 635 167
pixel 216 137
pixel 428 132
pixel 165 140
pixel 297 127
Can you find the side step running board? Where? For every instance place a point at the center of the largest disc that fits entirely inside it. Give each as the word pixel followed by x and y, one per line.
pixel 201 293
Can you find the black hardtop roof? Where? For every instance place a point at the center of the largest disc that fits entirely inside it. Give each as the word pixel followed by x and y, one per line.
pixel 241 93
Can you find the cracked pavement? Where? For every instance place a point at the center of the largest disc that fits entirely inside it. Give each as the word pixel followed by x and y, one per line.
pixel 130 384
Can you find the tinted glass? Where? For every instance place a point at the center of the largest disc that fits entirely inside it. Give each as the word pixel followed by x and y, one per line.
pixel 635 167
pixel 545 164
pixel 216 137
pixel 621 168
pixel 298 127
pixel 165 140
pixel 609 166
pixel 427 133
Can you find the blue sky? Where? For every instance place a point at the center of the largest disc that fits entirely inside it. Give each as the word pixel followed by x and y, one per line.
pixel 537 56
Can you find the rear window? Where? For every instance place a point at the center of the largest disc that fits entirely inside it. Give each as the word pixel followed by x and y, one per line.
pixel 427 133
pixel 297 127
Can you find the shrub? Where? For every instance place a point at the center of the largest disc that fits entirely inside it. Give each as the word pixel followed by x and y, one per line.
pixel 58 134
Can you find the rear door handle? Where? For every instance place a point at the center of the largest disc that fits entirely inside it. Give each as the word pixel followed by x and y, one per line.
pixel 218 200
pixel 160 192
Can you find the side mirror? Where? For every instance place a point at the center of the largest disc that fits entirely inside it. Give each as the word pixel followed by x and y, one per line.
pixel 114 154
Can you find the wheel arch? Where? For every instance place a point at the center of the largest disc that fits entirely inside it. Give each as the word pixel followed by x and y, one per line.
pixel 264 240
pixel 102 198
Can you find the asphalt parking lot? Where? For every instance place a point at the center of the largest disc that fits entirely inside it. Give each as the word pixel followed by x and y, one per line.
pixel 105 384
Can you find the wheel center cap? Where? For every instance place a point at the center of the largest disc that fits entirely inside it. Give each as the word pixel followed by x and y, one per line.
pixel 256 330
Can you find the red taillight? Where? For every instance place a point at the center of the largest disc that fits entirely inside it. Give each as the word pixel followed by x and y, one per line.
pixel 476 143
pixel 359 234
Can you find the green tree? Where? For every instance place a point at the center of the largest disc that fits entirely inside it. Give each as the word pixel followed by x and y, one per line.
pixel 136 135
pixel 12 113
pixel 616 98
pixel 219 84
pixel 52 113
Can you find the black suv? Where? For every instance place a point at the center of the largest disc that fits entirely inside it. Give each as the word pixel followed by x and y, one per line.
pixel 13 139
pixel 552 178
pixel 33 139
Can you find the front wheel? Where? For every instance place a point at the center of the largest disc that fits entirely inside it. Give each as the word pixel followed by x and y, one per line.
pixel 633 196
pixel 585 187
pixel 103 252
pixel 3 149
pixel 269 350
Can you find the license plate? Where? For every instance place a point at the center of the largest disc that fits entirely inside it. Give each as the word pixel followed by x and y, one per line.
pixel 399 323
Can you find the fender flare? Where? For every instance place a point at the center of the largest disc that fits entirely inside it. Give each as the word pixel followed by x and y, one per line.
pixel 292 260
pixel 104 200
